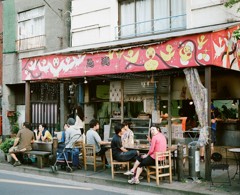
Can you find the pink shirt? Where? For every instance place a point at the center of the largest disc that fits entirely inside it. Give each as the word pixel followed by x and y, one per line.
pixel 158 144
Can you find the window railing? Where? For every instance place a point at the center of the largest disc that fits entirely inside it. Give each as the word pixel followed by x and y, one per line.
pixel 31 43
pixel 156 26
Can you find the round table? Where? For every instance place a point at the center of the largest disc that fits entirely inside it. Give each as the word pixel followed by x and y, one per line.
pixel 236 152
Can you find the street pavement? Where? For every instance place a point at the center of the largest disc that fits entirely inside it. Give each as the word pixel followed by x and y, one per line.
pixel 103 178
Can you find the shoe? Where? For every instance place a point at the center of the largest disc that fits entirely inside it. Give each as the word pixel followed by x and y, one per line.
pixel 108 166
pixel 129 173
pixel 133 181
pixel 17 163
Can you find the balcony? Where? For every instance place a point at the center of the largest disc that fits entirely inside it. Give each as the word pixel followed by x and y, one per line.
pixel 150 27
pixel 31 43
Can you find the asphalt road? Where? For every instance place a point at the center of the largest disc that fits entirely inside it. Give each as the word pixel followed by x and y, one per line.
pixel 13 183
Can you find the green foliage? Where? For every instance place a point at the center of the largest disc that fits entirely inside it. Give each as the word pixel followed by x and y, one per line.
pixel 231 3
pixel 13 120
pixel 7 144
pixel 236 34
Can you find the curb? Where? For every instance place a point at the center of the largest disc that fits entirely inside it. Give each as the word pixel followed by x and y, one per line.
pixel 92 177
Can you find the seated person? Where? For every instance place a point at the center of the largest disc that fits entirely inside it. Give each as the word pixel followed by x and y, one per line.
pixel 128 136
pixel 158 144
pixel 120 153
pixel 72 134
pixel 61 142
pixel 22 142
pixel 43 134
pixel 94 138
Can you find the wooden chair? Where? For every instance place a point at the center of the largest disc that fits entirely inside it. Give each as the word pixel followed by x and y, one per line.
pixel 80 145
pixel 90 157
pixel 162 168
pixel 115 163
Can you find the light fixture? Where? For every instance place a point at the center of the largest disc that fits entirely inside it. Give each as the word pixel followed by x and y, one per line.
pixel 85 80
pixel 164 106
pixel 178 104
pixel 191 103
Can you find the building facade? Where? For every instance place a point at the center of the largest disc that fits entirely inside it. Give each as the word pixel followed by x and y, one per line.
pixel 31 28
pixel 119 50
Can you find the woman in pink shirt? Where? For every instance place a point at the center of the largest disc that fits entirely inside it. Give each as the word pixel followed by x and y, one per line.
pixel 158 144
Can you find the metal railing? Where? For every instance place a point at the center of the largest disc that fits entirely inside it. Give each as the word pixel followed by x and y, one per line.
pixel 31 43
pixel 149 27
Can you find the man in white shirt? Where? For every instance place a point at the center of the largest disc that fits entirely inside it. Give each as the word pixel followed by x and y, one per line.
pixel 94 138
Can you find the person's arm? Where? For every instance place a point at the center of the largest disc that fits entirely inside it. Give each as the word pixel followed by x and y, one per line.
pixel 104 143
pixel 151 149
pixel 123 149
pixel 37 135
pixel 16 141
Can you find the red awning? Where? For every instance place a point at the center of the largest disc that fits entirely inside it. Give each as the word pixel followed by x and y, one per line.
pixel 204 49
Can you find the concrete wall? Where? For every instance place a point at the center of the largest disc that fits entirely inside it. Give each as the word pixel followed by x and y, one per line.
pixel 57 30
pixel 93 21
pixel 210 12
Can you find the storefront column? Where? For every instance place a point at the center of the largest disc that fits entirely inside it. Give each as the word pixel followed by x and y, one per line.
pixel 62 106
pixel 169 111
pixel 27 102
pixel 122 101
pixel 208 146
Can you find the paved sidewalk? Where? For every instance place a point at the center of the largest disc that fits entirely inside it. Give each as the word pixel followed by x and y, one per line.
pixel 103 177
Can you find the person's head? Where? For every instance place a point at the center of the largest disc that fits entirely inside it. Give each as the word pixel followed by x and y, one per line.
pixel 126 125
pixel 79 112
pixel 65 126
pixel 154 130
pixel 27 125
pixel 94 124
pixel 41 127
pixel 71 122
pixel 119 128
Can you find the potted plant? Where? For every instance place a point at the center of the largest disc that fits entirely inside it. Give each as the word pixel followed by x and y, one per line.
pixel 13 120
pixel 6 145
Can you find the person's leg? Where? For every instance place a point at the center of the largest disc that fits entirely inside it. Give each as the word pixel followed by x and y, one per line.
pixel 102 153
pixel 144 162
pixel 12 152
pixel 202 153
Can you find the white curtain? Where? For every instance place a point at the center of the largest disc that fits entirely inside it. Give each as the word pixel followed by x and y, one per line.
pixel 31 23
pixel 127 19
pixel 143 16
pixel 161 15
pixel 199 96
pixel 178 8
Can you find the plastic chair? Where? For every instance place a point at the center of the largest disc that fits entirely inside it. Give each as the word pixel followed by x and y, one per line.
pixel 220 163
pixel 90 157
pixel 162 168
pixel 115 163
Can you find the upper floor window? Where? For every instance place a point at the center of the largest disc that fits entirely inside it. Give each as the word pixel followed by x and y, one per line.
pixel 142 17
pixel 31 29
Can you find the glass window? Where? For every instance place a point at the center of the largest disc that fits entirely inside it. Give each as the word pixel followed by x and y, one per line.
pixel 141 17
pixel 31 29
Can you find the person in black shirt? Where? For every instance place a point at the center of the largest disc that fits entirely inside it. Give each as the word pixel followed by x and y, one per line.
pixel 118 151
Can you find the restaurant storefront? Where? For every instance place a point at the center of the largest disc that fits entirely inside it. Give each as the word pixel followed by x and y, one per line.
pixel 139 79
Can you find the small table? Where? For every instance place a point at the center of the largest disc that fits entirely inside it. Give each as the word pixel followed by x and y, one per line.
pixel 236 152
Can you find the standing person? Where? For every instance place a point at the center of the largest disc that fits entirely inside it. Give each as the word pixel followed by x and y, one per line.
pixel 118 151
pixel 43 134
pixel 22 142
pixel 79 118
pixel 213 128
pixel 128 136
pixel 94 138
pixel 158 144
pixel 72 134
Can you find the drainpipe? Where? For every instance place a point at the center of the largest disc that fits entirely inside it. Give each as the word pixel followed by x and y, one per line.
pixel 27 101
